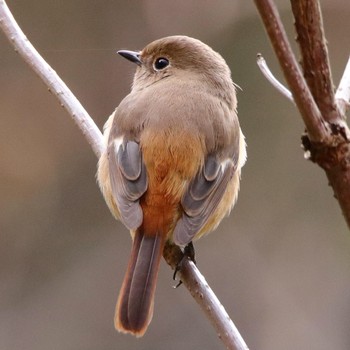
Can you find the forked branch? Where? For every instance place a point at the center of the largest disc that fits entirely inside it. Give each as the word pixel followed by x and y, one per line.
pixel 317 129
pixel 327 134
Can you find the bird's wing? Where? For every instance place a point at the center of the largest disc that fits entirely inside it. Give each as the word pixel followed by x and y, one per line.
pixel 128 179
pixel 203 195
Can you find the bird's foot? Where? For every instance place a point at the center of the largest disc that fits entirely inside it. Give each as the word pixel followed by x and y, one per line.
pixel 189 254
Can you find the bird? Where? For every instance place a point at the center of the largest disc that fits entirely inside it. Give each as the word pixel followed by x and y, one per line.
pixel 172 163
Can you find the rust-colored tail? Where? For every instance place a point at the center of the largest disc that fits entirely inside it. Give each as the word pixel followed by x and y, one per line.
pixel 135 303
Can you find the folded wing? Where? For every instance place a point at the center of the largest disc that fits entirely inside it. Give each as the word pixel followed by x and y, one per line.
pixel 128 180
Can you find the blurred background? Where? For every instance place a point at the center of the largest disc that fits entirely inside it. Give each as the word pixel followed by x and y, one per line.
pixel 279 264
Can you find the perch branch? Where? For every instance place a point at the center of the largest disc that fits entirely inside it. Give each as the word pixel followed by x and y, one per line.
pixel 265 70
pixel 189 274
pixel 316 128
pixel 205 297
pixel 314 55
pixel 342 96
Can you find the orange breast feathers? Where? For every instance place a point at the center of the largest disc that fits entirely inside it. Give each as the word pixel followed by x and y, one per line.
pixel 172 159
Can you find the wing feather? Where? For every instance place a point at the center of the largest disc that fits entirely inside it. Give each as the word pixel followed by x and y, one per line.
pixel 202 197
pixel 128 180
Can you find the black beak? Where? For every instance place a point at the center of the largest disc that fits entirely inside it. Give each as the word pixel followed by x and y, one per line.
pixel 132 56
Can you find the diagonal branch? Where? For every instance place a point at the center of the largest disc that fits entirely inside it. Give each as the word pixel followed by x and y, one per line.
pixel 54 83
pixel 189 274
pixel 314 55
pixel 316 127
pixel 196 284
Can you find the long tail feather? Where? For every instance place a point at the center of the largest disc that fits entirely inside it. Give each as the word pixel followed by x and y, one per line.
pixel 134 309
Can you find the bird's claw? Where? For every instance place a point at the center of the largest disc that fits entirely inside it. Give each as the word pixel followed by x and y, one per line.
pixel 189 254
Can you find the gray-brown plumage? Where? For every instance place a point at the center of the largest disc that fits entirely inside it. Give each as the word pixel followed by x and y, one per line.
pixel 173 161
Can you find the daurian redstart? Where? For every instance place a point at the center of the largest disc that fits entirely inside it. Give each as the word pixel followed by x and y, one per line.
pixel 174 153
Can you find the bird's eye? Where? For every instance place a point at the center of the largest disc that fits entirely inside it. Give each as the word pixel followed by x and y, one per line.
pixel 161 63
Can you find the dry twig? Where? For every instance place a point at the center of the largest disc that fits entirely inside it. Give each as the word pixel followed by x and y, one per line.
pixel 260 60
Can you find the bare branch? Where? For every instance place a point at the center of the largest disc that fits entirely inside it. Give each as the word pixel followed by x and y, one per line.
pixel 342 96
pixel 316 128
pixel 189 274
pixel 54 83
pixel 314 55
pixel 265 70
pixel 328 140
pixel 205 297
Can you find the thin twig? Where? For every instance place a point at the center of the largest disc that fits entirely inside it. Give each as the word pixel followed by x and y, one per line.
pixel 205 297
pixel 189 274
pixel 210 304
pixel 314 55
pixel 317 129
pixel 54 83
pixel 265 70
pixel 342 96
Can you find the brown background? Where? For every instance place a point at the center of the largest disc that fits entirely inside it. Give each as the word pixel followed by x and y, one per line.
pixel 280 264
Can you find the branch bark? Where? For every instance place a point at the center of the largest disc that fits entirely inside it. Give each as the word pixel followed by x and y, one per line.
pixel 314 56
pixel 189 274
pixel 328 135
